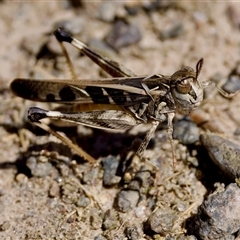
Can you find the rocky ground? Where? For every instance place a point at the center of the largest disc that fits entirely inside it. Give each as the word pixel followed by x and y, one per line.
pixel 48 192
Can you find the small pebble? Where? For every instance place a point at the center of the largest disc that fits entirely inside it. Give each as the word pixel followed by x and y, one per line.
pixel 175 31
pixel 70 191
pixel 138 187
pixel 232 85
pixel 127 200
pixel 123 35
pixel 63 169
pixel 233 82
pixel 161 221
pixel 39 169
pixel 54 190
pixel 90 176
pixel 186 132
pixel 21 178
pixel 110 220
pixel 107 11
pixel 83 202
pixel 110 165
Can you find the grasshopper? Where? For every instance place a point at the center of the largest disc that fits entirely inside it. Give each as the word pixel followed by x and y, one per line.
pixel 120 102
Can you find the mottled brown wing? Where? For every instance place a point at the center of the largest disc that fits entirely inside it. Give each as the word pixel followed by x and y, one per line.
pixel 120 91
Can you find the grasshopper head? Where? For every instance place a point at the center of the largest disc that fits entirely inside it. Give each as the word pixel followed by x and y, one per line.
pixel 186 90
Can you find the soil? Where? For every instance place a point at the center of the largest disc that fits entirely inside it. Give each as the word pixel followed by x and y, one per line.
pixel 47 191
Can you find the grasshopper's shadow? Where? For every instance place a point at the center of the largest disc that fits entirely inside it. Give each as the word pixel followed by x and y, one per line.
pixel 102 143
pixel 98 143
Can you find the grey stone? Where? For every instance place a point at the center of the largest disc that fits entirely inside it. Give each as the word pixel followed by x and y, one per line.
pixel 219 216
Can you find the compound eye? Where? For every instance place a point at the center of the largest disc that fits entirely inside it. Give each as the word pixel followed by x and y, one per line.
pixel 183 86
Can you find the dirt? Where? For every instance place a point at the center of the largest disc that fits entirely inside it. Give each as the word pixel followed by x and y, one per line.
pixel 46 191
